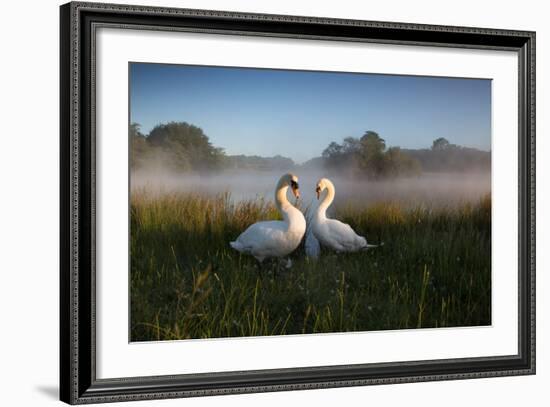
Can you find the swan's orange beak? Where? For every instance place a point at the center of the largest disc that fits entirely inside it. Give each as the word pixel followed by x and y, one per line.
pixel 318 191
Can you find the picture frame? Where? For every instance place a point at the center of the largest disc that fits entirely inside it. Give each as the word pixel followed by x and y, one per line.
pixel 79 382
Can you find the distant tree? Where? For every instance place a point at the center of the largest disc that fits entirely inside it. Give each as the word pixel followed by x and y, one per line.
pixel 446 157
pixel 371 154
pixel 177 146
pixel 186 147
pixel 279 162
pixel 372 142
pixel 254 162
pixel 139 147
pixel 332 150
pixel 367 157
pixel 440 143
pixel 315 163
pixel 135 131
pixel 351 145
pixel 397 163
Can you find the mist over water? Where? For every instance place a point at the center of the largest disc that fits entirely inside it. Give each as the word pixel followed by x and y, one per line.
pixel 433 189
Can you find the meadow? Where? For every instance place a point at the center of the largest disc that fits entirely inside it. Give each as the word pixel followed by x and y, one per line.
pixel 434 270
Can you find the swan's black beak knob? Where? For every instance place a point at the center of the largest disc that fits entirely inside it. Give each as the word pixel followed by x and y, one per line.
pixel 318 191
pixel 295 189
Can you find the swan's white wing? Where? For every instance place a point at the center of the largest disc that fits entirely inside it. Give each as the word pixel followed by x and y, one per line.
pixel 312 245
pixel 264 239
pixel 342 237
pixel 260 234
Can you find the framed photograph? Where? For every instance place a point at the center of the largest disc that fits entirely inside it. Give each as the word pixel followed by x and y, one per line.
pixel 255 203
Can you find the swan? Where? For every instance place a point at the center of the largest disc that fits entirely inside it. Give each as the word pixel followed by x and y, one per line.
pixel 332 233
pixel 275 238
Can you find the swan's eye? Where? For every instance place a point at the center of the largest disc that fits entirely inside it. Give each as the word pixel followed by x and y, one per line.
pixel 294 184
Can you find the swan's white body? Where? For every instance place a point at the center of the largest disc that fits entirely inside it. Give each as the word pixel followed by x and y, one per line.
pixel 275 238
pixel 332 233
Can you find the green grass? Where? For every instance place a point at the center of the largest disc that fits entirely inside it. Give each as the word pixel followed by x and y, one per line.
pixel 434 270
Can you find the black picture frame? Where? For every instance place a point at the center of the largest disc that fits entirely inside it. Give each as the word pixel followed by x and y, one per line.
pixel 78 382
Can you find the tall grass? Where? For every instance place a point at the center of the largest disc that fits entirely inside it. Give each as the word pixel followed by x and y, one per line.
pixel 434 270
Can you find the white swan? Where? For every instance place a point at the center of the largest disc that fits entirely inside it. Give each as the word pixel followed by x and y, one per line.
pixel 275 238
pixel 331 232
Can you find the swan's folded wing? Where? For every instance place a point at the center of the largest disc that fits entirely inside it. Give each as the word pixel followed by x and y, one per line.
pixel 312 246
pixel 345 236
pixel 262 236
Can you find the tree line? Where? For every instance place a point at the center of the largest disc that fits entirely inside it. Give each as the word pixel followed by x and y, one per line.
pixel 182 147
pixel 368 156
pixel 444 156
pixel 177 146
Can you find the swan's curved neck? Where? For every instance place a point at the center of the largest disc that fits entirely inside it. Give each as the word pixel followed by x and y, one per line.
pixel 292 216
pixel 281 200
pixel 327 200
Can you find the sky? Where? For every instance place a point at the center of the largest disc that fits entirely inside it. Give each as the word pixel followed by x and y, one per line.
pixel 297 114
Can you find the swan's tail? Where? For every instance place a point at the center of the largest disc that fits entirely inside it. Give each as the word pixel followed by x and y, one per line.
pixel 371 246
pixel 236 245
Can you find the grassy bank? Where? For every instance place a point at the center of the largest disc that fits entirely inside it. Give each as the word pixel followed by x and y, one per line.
pixel 434 270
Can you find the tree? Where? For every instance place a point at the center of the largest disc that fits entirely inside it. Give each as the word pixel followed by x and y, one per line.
pixel 186 147
pixel 351 145
pixel 254 162
pixel 371 154
pixel 399 163
pixel 372 142
pixel 139 148
pixel 134 130
pixel 177 146
pixel 332 150
pixel 440 144
pixel 367 157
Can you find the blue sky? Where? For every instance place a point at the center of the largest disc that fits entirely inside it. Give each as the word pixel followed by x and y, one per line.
pixel 298 113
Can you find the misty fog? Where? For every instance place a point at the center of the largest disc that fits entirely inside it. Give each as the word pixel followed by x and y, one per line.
pixel 434 189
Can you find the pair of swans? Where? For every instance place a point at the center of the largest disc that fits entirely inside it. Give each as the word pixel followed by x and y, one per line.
pixel 280 238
